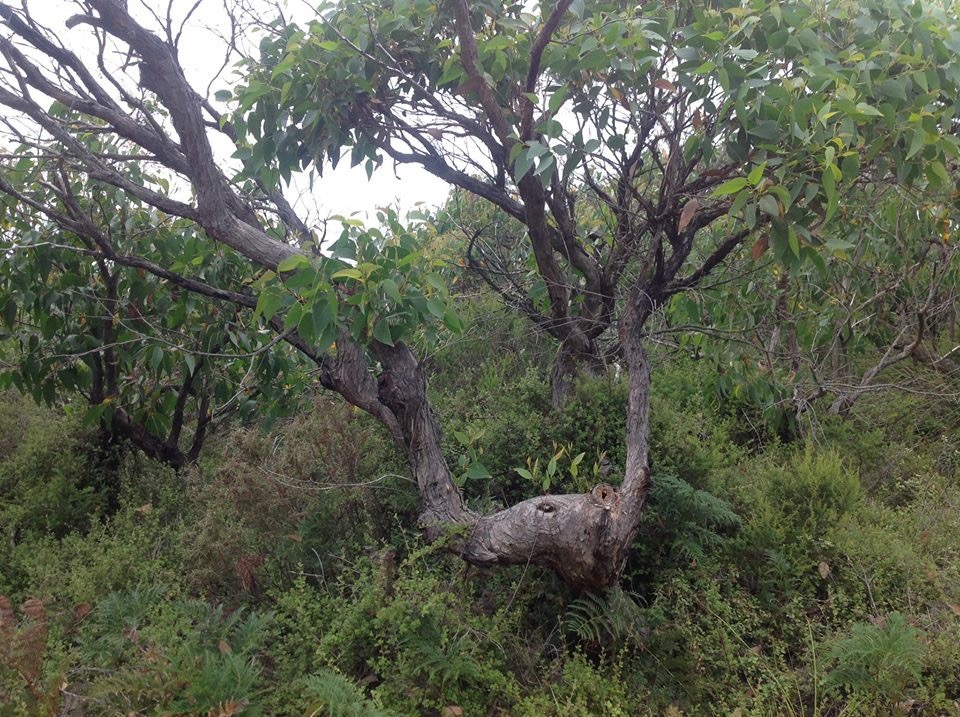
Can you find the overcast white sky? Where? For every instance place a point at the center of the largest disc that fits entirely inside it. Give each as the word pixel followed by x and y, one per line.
pixel 343 191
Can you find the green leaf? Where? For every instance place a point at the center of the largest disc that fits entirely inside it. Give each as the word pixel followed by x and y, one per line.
pixel 558 98
pixel 794 241
pixel 917 141
pixel 477 471
pixel 575 464
pixel 731 186
pixel 452 321
pixel 326 338
pixel 94 414
pixel 830 189
pixel 285 64
pixel 324 310
pixel 292 319
pixel 769 205
pixel 524 473
pixel 390 288
pixel 436 281
pixel 756 174
pixel 436 307
pixel 850 166
pixel 893 88
pixel 293 262
pixel 739 202
pixel 306 326
pixel 523 165
pixel 544 169
pixel 865 109
pixel 156 357
pixel 381 332
pixel 347 274
pixel 938 174
pixel 767 129
pixel 10 313
pixel 268 304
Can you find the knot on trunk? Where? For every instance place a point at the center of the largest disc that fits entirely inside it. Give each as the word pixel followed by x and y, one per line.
pixel 605 496
pixel 583 537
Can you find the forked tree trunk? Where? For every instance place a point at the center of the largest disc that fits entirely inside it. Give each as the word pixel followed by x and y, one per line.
pixel 583 537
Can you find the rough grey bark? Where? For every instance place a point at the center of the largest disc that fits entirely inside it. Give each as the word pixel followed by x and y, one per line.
pixel 583 537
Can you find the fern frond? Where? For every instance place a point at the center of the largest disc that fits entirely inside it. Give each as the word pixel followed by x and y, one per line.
pixel 333 695
pixel 610 620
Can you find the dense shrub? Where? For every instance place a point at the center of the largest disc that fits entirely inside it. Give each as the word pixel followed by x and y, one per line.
pixel 48 478
pixel 878 660
pixel 141 652
pixel 281 575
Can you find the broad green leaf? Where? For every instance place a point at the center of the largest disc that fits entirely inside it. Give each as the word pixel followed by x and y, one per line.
pixel 381 332
pixel 293 262
pixel 731 186
pixel 452 321
pixel 268 304
pixel 769 205
pixel 524 473
pixel 477 471
pixel 347 274
pixel 436 307
pixel 390 288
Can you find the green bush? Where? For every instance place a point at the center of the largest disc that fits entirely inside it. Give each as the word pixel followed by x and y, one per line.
pixel 48 482
pixel 333 695
pixel 758 583
pixel 577 688
pixel 141 652
pixel 681 526
pixel 790 511
pixel 265 503
pixel 878 661
pixel 417 635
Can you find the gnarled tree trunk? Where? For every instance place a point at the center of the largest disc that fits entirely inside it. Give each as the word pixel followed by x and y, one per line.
pixel 583 537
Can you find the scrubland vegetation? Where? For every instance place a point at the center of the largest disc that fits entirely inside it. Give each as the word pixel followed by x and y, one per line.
pixel 813 575
pixel 657 415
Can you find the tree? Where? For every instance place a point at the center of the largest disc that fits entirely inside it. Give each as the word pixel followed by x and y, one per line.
pixel 783 338
pixel 639 147
pixel 90 316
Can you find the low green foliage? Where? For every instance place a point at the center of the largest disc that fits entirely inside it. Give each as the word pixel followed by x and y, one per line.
pixel 608 621
pixel 69 495
pixel 879 660
pixel 146 653
pixel 336 696
pixel 815 578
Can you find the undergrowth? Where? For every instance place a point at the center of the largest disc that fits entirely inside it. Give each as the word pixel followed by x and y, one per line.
pixel 813 577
